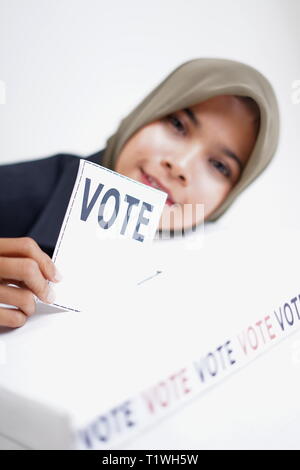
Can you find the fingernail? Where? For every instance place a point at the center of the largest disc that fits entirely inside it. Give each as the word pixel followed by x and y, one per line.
pixel 21 318
pixel 50 296
pixel 57 275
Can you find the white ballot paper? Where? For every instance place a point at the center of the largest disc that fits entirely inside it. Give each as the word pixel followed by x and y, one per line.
pixel 110 222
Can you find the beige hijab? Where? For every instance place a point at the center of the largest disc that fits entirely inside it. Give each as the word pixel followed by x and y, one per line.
pixel 197 80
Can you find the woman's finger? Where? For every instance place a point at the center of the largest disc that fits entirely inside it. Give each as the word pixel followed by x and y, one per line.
pixel 28 248
pixel 26 270
pixel 12 318
pixel 18 297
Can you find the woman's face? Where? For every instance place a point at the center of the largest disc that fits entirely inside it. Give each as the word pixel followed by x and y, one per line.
pixel 195 155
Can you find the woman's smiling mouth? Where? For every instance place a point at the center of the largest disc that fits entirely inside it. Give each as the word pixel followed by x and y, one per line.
pixel 155 183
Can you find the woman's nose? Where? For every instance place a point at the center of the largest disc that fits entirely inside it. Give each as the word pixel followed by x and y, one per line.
pixel 179 168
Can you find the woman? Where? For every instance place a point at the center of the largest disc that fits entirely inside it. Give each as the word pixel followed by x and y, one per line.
pixel 202 135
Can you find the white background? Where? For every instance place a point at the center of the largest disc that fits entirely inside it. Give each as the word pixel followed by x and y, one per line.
pixel 74 68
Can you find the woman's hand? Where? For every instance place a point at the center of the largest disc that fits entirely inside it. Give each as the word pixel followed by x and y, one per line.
pixel 23 263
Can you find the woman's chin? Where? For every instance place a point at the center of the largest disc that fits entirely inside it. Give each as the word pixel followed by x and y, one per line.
pixel 172 219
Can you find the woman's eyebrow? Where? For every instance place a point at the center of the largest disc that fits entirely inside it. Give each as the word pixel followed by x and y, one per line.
pixel 226 151
pixel 192 117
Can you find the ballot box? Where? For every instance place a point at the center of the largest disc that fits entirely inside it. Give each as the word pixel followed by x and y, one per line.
pixel 205 354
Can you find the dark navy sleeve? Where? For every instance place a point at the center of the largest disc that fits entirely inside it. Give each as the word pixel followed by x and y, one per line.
pixel 25 188
pixel 34 196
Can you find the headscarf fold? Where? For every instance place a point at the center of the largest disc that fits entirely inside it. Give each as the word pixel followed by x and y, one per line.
pixel 195 81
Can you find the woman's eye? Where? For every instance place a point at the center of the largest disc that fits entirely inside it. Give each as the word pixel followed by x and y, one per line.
pixel 225 170
pixel 177 123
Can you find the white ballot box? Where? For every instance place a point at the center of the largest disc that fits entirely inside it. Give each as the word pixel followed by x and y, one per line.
pixel 203 355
